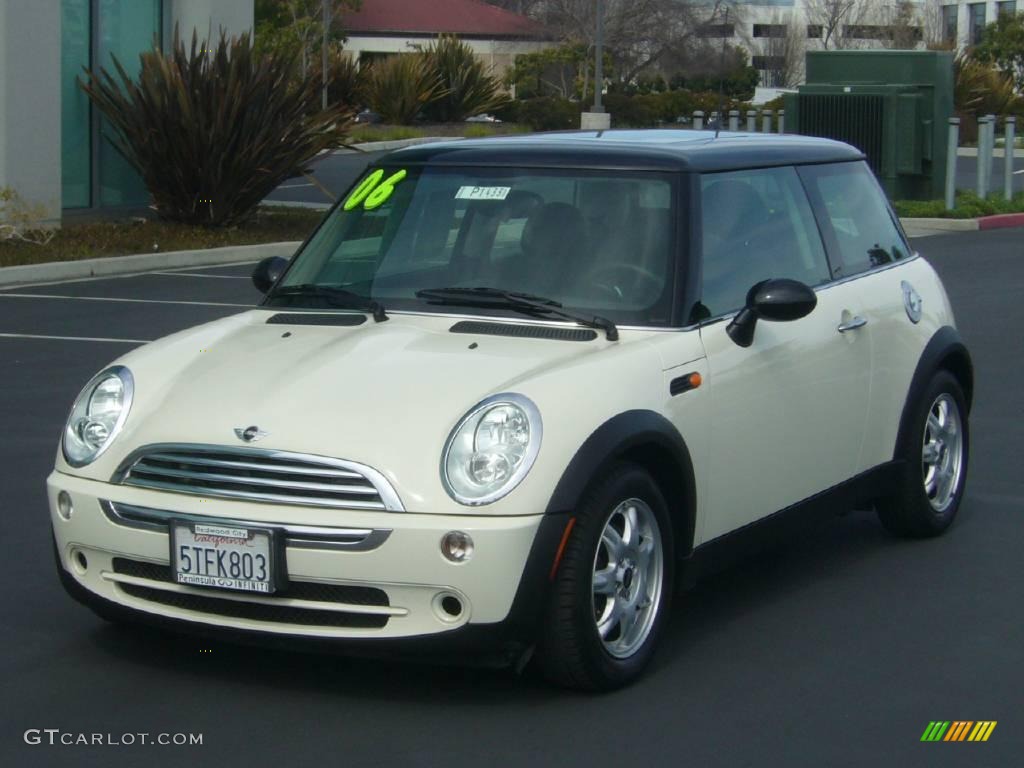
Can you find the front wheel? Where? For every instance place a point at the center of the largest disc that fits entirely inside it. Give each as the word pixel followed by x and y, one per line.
pixel 613 586
pixel 934 472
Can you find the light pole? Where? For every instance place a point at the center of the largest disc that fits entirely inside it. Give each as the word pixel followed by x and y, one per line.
pixel 599 64
pixel 324 59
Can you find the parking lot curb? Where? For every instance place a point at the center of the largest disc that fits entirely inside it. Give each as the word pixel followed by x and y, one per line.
pixel 922 227
pixel 1001 220
pixel 144 262
pixel 387 146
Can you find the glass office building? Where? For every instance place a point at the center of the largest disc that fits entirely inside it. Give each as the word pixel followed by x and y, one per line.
pixel 93 34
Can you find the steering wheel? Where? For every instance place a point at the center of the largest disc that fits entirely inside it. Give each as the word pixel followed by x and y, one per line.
pixel 609 278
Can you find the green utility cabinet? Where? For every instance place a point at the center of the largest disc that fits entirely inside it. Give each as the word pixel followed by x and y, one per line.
pixel 892 105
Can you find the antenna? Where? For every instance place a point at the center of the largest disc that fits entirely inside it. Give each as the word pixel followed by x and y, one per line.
pixel 721 79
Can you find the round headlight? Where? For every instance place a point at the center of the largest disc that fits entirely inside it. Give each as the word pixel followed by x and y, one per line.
pixel 98 415
pixel 491 449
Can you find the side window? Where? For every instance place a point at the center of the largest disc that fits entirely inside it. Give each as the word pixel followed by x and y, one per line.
pixel 854 208
pixel 756 225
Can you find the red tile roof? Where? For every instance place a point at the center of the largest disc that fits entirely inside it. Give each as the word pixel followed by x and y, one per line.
pixel 469 18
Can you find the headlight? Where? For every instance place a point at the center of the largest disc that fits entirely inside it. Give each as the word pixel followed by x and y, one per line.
pixel 98 415
pixel 491 449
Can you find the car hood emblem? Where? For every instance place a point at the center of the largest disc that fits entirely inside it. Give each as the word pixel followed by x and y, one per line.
pixel 250 434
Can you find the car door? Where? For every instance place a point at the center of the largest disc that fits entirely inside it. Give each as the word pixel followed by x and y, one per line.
pixel 865 243
pixel 787 413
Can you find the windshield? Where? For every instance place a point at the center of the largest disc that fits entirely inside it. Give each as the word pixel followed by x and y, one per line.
pixel 592 241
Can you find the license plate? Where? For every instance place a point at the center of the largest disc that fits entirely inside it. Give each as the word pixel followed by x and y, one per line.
pixel 223 556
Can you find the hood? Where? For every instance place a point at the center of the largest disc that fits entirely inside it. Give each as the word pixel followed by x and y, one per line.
pixel 382 394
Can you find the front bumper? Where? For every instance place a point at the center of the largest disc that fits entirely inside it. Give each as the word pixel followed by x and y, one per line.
pixel 387 586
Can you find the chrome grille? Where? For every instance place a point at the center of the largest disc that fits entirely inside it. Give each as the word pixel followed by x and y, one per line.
pixel 258 475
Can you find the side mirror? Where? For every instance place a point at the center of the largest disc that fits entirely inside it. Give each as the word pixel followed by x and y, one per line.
pixel 779 300
pixel 267 272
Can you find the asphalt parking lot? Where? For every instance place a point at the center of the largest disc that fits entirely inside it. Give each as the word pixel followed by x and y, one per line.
pixel 835 649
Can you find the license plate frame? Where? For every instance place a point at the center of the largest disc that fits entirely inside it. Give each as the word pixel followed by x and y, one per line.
pixel 230 535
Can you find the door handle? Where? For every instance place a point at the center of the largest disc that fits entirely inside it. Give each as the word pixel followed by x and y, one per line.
pixel 852 324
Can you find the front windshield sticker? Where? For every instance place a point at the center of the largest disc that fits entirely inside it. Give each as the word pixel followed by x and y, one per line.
pixel 373 193
pixel 482 193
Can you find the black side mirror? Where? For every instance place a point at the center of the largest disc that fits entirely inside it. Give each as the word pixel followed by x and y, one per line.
pixel 267 272
pixel 779 300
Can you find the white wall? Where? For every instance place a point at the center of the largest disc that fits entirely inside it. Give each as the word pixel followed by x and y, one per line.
pixel 209 16
pixel 499 54
pixel 30 102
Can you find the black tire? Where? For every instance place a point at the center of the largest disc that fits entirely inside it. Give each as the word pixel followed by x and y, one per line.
pixel 908 511
pixel 571 652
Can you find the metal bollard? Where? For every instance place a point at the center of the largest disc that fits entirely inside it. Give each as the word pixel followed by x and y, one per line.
pixel 766 123
pixel 990 147
pixel 698 120
pixel 982 151
pixel 734 120
pixel 951 147
pixel 751 120
pixel 1011 124
pixel 782 121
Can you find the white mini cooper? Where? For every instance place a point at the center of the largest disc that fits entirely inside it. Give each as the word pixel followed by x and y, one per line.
pixel 513 392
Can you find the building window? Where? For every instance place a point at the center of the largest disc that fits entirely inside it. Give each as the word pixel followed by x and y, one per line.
pixel 949 14
pixel 75 122
pixel 717 30
pixel 976 26
pixel 93 32
pixel 876 32
pixel 769 30
pixel 815 31
pixel 1007 6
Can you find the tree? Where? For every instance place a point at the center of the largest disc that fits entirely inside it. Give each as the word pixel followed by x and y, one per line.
pixel 638 34
pixel 1003 47
pixel 834 16
pixel 297 26
pixel 784 52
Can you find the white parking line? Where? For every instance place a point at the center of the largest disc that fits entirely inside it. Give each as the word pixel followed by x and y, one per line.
pixel 126 301
pixel 3 289
pixel 71 338
pixel 1017 173
pixel 196 274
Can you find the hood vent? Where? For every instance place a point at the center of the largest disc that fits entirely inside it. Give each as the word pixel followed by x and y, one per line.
pixel 524 331
pixel 316 318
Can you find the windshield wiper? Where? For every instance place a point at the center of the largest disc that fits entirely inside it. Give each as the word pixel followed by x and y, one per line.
pixel 336 297
pixel 523 302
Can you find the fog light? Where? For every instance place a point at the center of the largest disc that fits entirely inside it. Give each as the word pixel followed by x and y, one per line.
pixel 64 506
pixel 457 546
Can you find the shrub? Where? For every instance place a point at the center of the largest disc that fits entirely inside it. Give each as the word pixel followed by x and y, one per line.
pixel 469 90
pixel 400 86
pixel 548 113
pixel 346 83
pixel 22 222
pixel 212 134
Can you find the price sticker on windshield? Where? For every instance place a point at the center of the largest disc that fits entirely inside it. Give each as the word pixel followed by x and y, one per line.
pixel 482 193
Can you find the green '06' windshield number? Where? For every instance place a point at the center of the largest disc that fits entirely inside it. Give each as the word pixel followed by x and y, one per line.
pixel 372 192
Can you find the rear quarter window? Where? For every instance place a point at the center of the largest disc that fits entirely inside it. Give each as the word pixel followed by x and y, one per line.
pixel 855 217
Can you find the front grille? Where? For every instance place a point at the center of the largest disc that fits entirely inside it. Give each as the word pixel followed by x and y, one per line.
pixel 268 612
pixel 258 475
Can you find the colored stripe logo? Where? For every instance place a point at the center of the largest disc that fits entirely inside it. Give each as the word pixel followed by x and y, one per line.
pixel 959 730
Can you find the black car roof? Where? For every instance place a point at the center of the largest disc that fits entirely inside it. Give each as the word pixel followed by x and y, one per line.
pixel 651 150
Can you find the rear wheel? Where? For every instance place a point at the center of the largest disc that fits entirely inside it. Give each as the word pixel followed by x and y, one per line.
pixel 613 586
pixel 934 474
